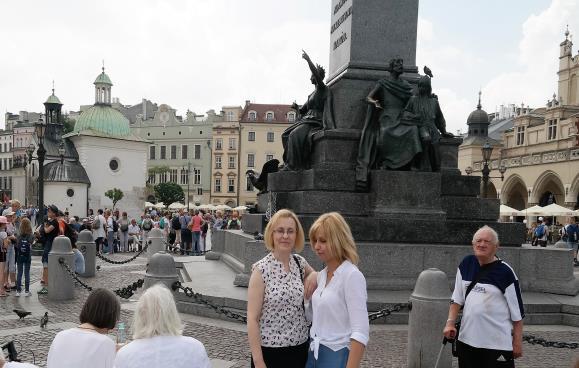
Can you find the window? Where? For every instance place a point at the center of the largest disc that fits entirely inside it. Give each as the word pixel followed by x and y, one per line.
pixel 232 143
pixel 251 136
pixel 5 163
pixel 197 152
pixel 270 136
pixel 10 146
pixel 250 160
pixel 199 191
pixel 5 181
pixel 152 152
pixel 173 176
pixel 163 153
pixel 230 116
pixel 552 130
pixel 268 158
pixel 269 116
pixel 197 174
pixel 9 182
pixel 217 187
pixel 173 152
pixel 218 161
pixel 231 164
pixel 219 143
pixel 231 185
pixel 248 185
pixel 184 176
pixel 520 135
pixel 163 177
pixel 291 117
pixel 184 152
pixel 252 116
pixel 9 163
pixel 114 164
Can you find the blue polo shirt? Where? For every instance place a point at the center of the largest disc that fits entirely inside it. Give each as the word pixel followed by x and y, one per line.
pixel 492 306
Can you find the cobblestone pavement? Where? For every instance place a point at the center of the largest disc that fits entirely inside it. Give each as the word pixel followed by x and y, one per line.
pixel 387 347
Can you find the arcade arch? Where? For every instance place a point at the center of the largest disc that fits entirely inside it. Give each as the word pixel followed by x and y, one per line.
pixel 514 193
pixel 548 189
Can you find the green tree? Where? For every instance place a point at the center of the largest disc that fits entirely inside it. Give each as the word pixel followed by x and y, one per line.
pixel 68 124
pixel 169 193
pixel 115 195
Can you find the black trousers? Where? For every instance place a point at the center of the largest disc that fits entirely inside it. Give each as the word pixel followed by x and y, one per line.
pixel 471 357
pixel 286 357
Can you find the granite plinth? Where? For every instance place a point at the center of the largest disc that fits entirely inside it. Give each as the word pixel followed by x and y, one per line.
pixel 337 148
pixel 313 179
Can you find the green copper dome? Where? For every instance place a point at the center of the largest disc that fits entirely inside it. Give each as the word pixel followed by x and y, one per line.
pixel 52 99
pixel 103 119
pixel 103 79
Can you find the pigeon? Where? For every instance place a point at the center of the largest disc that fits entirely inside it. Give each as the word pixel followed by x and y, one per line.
pixel 44 320
pixel 98 268
pixel 428 72
pixel 21 313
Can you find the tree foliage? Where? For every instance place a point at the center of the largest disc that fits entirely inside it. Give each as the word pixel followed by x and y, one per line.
pixel 68 125
pixel 169 193
pixel 114 195
pixel 158 170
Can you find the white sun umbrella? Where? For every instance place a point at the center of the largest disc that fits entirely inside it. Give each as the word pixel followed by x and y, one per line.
pixel 159 205
pixel 192 206
pixel 508 211
pixel 176 206
pixel 240 208
pixel 222 207
pixel 556 210
pixel 149 204
pixel 532 211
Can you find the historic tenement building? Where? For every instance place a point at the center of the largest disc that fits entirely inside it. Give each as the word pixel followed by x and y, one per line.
pixel 539 147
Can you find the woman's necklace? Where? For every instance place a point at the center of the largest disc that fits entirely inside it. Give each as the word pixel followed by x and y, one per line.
pixel 88 328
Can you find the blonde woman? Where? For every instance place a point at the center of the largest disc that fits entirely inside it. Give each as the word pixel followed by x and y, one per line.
pixel 276 323
pixel 340 327
pixel 158 339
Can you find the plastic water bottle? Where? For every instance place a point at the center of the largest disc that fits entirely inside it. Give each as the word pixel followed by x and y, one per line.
pixel 121 333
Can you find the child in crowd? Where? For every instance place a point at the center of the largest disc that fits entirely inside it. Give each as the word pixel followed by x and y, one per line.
pixel 23 256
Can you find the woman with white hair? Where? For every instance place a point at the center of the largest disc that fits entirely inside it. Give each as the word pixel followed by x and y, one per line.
pixel 158 339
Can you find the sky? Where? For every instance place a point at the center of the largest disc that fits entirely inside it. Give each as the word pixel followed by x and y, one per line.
pixel 205 54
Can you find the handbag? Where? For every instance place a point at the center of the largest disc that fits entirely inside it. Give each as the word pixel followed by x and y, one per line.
pixel 302 275
pixel 480 274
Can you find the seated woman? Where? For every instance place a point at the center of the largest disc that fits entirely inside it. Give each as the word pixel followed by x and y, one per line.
pixel 158 339
pixel 88 345
pixel 340 328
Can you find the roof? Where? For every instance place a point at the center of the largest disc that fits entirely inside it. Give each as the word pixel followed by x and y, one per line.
pixel 498 127
pixel 479 141
pixel 52 99
pixel 478 116
pixel 102 78
pixel 103 119
pixel 280 113
pixel 68 171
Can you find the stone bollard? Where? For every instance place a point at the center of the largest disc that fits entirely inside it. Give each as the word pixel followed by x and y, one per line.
pixel 60 283
pixel 430 303
pixel 161 269
pixel 87 246
pixel 156 242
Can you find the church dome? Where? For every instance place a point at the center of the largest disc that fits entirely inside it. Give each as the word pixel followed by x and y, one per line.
pixel 478 116
pixel 103 119
pixel 52 99
pixel 103 78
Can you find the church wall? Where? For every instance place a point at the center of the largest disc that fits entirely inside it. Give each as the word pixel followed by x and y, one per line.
pixel 95 155
pixel 56 193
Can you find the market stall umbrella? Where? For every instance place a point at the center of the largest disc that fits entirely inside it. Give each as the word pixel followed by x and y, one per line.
pixel 192 206
pixel 176 206
pixel 159 205
pixel 508 211
pixel 532 211
pixel 149 204
pixel 223 207
pixel 206 207
pixel 556 210
pixel 240 208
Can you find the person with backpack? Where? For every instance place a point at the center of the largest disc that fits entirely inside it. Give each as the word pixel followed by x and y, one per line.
pixel 234 223
pixel 124 232
pixel 23 256
pixel 147 226
pixel 487 290
pixel 176 226
pixel 109 221
pixel 98 226
pixel 541 233
pixel 571 237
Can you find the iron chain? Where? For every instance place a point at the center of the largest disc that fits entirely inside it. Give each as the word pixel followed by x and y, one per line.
pixel 125 292
pixel 201 299
pixel 550 344
pixel 173 248
pixel 124 261
pixel 386 311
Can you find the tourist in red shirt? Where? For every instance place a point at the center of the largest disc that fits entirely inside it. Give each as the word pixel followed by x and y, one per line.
pixel 195 226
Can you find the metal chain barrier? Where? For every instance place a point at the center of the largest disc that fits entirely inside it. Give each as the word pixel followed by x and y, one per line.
pixel 550 344
pixel 382 313
pixel 174 249
pixel 201 299
pixel 124 261
pixel 125 292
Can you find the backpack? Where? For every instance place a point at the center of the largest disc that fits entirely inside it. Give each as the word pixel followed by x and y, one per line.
pixel 563 233
pixel 233 225
pixel 96 224
pixel 147 225
pixel 24 247
pixel 540 231
pixel 162 223
pixel 124 225
pixel 176 224
pixel 115 226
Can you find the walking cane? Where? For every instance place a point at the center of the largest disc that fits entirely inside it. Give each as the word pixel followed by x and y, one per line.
pixel 444 341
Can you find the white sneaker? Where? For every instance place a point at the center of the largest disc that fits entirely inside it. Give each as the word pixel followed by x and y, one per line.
pixel 28 293
pixel 18 293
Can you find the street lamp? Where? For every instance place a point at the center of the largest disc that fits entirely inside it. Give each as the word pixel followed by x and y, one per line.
pixel 188 177
pixel 41 154
pixel 487 151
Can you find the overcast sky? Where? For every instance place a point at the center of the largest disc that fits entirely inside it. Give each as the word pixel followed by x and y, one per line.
pixel 204 54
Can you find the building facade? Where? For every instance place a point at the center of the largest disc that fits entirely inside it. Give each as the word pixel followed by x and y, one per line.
pixel 539 147
pixel 261 127
pixel 225 172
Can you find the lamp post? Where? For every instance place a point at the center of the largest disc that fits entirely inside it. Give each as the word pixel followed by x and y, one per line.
pixel 487 151
pixel 41 154
pixel 188 177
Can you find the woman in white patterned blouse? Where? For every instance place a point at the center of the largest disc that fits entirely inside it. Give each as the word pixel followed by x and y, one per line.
pixel 276 323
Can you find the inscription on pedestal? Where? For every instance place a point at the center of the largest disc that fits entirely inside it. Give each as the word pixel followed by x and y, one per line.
pixel 340 35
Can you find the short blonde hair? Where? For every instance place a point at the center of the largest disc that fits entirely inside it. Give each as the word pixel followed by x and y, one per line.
pixel 338 235
pixel 156 314
pixel 269 230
